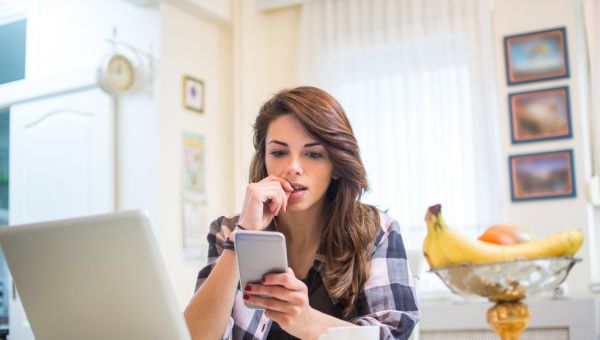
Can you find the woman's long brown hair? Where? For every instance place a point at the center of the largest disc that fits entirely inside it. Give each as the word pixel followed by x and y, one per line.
pixel 350 226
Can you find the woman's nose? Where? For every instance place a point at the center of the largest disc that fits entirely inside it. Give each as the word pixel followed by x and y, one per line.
pixel 294 167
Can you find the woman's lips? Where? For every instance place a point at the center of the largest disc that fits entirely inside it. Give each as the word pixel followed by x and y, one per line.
pixel 298 192
pixel 297 186
pixel 296 195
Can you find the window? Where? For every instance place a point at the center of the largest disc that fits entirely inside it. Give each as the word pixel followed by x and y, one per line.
pixel 12 47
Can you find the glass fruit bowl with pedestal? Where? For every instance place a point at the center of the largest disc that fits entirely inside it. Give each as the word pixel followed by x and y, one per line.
pixel 506 284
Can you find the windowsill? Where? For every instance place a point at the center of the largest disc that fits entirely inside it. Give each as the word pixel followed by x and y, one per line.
pixel 439 296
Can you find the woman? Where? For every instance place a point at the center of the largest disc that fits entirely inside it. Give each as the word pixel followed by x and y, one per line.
pixel 347 260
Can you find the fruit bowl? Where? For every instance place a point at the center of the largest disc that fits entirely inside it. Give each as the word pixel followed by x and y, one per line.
pixel 507 281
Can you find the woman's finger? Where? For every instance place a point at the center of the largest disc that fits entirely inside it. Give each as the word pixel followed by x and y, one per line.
pixel 284 183
pixel 287 198
pixel 267 302
pixel 275 199
pixel 287 280
pixel 284 193
pixel 279 317
pixel 278 292
pixel 284 197
pixel 286 190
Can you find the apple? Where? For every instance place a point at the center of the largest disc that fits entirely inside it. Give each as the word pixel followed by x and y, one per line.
pixel 506 234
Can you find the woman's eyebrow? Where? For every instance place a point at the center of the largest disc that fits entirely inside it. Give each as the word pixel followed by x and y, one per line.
pixel 307 145
pixel 277 142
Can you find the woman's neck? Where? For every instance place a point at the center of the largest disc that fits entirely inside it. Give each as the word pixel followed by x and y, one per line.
pixel 302 229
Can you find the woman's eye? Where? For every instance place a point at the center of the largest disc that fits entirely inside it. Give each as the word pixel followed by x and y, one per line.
pixel 315 155
pixel 277 154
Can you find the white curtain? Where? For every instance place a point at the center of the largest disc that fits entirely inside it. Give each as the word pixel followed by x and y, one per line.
pixel 416 78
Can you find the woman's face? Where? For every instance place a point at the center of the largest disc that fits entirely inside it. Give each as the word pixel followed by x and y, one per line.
pixel 293 154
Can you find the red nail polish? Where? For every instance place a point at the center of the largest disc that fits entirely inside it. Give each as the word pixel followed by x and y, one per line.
pixel 248 288
pixel 246 297
pixel 262 280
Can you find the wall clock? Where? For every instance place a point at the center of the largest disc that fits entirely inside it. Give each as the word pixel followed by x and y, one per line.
pixel 116 74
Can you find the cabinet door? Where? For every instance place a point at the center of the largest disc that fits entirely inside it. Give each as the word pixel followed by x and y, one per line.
pixel 61 165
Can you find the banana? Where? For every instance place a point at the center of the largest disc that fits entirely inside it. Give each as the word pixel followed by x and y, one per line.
pixel 444 246
pixel 433 253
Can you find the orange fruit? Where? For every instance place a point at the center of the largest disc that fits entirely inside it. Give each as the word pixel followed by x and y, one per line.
pixel 497 237
pixel 506 234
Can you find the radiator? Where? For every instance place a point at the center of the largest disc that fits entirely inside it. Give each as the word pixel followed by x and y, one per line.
pixel 568 319
pixel 485 334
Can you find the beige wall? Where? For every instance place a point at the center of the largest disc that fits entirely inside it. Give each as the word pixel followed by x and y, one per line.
pixel 200 49
pixel 282 52
pixel 548 216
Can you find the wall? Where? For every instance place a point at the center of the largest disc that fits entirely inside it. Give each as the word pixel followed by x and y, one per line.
pixel 218 12
pixel 192 46
pixel 548 216
pixel 283 35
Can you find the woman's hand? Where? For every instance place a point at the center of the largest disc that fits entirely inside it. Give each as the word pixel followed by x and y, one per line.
pixel 263 201
pixel 285 299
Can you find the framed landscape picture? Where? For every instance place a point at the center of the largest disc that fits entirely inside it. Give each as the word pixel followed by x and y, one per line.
pixel 536 56
pixel 542 175
pixel 540 115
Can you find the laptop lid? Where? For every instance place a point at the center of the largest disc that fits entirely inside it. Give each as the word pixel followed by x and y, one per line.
pixel 98 277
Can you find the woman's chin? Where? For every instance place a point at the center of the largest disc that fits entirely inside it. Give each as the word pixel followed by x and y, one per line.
pixel 296 206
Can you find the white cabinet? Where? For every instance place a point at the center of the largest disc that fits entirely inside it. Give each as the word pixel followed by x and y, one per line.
pixel 61 165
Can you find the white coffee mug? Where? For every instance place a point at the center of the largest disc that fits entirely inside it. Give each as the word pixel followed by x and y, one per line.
pixel 351 333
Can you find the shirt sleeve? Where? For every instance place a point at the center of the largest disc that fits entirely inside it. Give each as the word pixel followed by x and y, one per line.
pixel 388 299
pixel 215 240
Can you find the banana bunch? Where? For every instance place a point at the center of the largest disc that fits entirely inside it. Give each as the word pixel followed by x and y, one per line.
pixel 444 246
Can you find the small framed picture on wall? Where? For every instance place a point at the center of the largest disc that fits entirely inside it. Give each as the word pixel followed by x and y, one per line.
pixel 536 56
pixel 542 175
pixel 193 94
pixel 540 115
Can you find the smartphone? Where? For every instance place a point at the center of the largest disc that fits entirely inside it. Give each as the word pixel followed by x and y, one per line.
pixel 259 253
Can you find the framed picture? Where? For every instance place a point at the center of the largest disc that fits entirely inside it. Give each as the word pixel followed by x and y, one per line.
pixel 542 175
pixel 193 94
pixel 536 56
pixel 539 115
pixel 193 197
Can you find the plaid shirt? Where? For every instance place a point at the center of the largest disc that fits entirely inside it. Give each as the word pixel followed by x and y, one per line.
pixel 388 299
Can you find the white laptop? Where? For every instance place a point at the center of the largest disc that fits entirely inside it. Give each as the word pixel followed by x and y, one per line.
pixel 98 277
